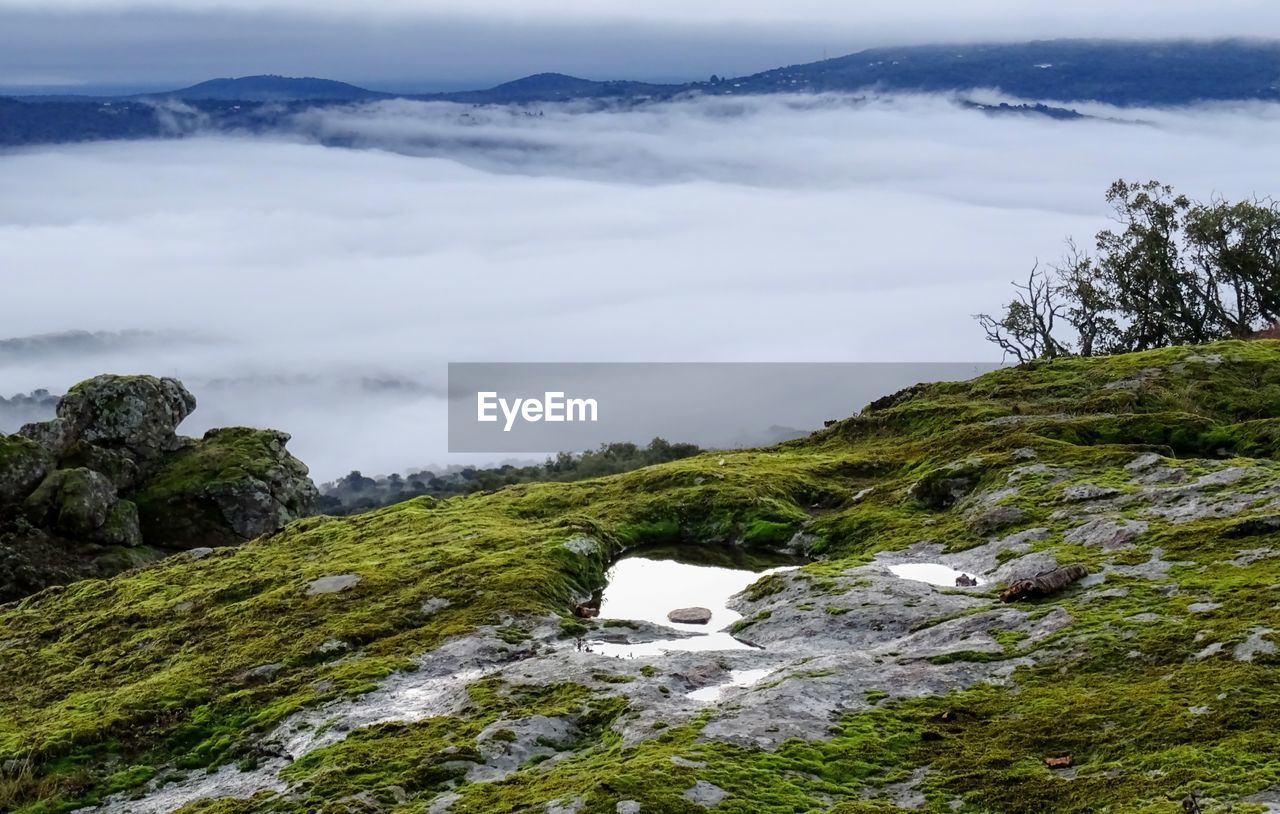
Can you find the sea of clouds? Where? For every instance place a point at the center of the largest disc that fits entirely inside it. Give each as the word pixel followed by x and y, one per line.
pixel 319 280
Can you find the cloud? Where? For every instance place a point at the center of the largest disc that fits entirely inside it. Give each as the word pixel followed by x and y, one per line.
pixel 765 229
pixel 1151 15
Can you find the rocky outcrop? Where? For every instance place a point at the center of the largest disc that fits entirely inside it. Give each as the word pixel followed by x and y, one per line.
pixel 109 484
pixel 233 485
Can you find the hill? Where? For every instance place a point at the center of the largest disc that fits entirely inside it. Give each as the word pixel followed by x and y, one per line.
pixel 273 89
pixel 430 656
pixel 1115 72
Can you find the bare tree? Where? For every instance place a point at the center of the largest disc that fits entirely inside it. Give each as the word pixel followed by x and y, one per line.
pixel 1026 330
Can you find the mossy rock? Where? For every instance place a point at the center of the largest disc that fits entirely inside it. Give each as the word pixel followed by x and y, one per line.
pixel 82 505
pixel 233 485
pixel 23 464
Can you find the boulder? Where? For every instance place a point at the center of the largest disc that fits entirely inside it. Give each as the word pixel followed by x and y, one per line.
pixel 23 464
pixel 233 485
pixel 690 616
pixel 81 504
pixel 995 518
pixel 139 414
pixel 55 435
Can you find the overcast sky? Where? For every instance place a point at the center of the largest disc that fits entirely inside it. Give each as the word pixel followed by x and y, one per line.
pixel 408 44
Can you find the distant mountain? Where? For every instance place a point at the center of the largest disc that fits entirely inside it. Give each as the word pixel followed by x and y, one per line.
pixel 1061 72
pixel 1120 73
pixel 557 87
pixel 272 89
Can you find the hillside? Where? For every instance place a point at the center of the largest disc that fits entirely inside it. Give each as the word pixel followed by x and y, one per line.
pixel 426 657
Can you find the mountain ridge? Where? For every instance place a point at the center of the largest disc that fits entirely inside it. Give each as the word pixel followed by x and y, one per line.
pixel 1176 71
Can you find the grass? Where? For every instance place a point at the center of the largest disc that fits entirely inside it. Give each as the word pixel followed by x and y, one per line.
pixel 103 683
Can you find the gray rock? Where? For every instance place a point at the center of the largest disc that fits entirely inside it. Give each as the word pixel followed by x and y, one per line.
pixel 442 802
pixel 1251 555
pixel 1203 607
pixel 1144 618
pixel 1109 593
pixel 984 522
pixel 1210 650
pixel 627 807
pixel 140 414
pixel 1082 492
pixel 906 793
pixel 1106 533
pixel 332 585
pixel 690 616
pixel 506 745
pixel 434 605
pixel 1162 474
pixel 570 806
pixel 1254 645
pixel 707 795
pixel 23 464
pixel 55 435
pixel 1143 461
pixel 584 546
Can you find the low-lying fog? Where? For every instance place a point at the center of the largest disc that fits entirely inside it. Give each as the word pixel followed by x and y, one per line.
pixel 321 289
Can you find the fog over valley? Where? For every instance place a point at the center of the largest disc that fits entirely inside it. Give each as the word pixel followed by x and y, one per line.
pixel 319 280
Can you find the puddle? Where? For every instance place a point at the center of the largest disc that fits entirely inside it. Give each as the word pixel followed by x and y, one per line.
pixel 932 573
pixel 737 678
pixel 647 586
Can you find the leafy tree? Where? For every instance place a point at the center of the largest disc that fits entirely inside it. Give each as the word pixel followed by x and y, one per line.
pixel 1172 271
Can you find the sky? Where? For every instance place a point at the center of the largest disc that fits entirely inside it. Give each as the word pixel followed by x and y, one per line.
pixel 405 45
pixel 322 290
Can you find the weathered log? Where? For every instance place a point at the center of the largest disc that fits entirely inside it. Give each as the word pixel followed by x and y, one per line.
pixel 1044 583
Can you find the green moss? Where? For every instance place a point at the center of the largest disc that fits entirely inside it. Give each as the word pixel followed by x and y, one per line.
pixel 140 671
pixel 767 534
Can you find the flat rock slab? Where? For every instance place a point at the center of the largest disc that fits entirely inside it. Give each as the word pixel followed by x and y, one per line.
pixel 332 585
pixel 690 616
pixel 707 795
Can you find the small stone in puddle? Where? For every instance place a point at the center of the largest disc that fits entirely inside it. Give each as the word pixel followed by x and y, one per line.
pixel 690 616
